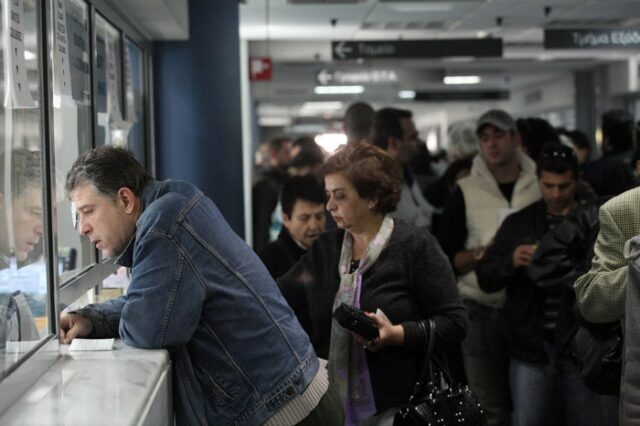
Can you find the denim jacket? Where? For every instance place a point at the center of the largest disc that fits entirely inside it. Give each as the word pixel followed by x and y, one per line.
pixel 199 291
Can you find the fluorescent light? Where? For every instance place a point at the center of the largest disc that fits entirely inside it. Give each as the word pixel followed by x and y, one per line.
pixel 461 79
pixel 407 94
pixel 322 106
pixel 338 90
pixel 29 55
pixel 274 121
pixel 421 7
pixel 331 141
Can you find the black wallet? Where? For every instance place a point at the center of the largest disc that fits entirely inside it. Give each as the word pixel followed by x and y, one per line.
pixel 355 320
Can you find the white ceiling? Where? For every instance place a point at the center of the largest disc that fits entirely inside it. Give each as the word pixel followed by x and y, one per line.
pixel 158 19
pixel 300 38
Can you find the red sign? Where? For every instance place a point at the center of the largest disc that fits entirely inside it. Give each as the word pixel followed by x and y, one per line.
pixel 260 69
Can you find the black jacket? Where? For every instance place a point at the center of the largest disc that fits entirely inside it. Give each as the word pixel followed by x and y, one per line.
pixel 280 255
pixel 525 306
pixel 265 195
pixel 412 280
pixel 611 174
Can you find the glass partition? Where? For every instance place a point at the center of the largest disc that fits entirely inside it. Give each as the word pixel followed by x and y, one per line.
pixel 24 297
pixel 72 124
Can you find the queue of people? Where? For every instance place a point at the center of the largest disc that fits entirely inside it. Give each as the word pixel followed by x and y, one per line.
pixel 506 282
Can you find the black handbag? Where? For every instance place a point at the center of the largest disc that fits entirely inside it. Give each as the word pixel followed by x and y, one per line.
pixel 436 399
pixel 598 349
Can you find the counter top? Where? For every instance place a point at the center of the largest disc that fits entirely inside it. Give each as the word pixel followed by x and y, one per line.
pixel 93 388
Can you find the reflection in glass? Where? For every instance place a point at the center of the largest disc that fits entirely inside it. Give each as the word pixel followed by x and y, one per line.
pixel 71 124
pixel 112 128
pixel 134 84
pixel 23 278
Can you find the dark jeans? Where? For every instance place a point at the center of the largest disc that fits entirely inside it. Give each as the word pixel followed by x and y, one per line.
pixel 486 360
pixel 532 386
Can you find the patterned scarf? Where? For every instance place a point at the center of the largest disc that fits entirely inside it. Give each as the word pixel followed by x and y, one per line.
pixel 348 369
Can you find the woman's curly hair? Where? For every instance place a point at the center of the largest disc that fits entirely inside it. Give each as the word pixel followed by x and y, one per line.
pixel 373 173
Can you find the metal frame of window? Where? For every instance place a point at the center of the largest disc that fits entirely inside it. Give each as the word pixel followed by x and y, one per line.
pixel 16 380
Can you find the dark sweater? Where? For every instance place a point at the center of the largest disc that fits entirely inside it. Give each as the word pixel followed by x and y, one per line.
pixel 280 255
pixel 412 280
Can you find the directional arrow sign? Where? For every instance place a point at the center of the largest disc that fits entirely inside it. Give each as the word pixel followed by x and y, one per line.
pixel 341 50
pixel 365 76
pixel 344 50
pixel 324 77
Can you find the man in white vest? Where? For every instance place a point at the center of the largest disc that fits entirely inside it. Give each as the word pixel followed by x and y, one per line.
pixel 502 180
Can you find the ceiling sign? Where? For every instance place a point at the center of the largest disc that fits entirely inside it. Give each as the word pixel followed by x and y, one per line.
pixel 591 39
pixel 475 47
pixel 260 69
pixel 471 95
pixel 357 77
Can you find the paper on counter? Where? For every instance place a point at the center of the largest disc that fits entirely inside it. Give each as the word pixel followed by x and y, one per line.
pixel 91 345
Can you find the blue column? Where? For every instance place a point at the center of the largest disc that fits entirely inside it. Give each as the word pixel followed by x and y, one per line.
pixel 198 127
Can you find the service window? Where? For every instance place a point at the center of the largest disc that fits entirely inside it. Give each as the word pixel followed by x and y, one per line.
pixel 24 296
pixel 71 124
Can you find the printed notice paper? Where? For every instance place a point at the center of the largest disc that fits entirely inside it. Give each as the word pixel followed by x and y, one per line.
pixel 91 345
pixel 16 84
pixel 61 73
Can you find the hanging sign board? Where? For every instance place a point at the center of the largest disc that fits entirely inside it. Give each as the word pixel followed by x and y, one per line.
pixel 475 95
pixel 16 84
pixel 372 76
pixel 591 39
pixel 475 47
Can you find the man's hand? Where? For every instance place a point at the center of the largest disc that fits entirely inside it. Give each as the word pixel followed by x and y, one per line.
pixel 523 254
pixel 74 325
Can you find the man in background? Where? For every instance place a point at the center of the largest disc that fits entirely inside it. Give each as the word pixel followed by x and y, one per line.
pixel 612 174
pixel 358 122
pixel 303 219
pixel 396 133
pixel 266 190
pixel 502 180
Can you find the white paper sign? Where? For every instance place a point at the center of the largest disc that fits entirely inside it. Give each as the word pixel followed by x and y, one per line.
pixel 113 103
pixel 91 345
pixel 62 75
pixel 118 280
pixel 128 78
pixel 17 93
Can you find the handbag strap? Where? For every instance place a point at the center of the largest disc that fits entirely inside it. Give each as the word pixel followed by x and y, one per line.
pixel 427 371
pixel 428 336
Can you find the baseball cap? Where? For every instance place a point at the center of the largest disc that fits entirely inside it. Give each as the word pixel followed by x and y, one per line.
pixel 497 117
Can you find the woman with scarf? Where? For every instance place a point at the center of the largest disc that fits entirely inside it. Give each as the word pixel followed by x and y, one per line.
pixel 393 271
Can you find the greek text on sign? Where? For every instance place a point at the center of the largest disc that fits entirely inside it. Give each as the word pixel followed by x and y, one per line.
pixel 356 77
pixel 436 48
pixel 590 39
